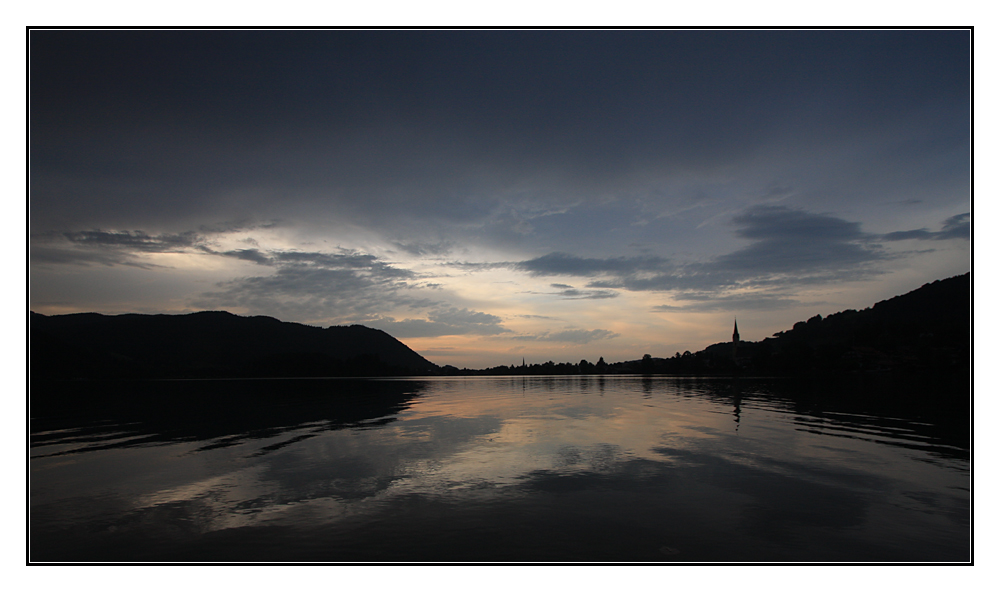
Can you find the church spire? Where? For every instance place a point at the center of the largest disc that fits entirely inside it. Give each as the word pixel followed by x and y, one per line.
pixel 736 338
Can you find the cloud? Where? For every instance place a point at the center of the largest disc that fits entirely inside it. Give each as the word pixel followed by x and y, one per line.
pixel 344 287
pixel 797 245
pixel 300 291
pixel 567 292
pixel 565 264
pixel 63 256
pixel 126 247
pixel 569 335
pixel 959 227
pixel 473 266
pixel 426 248
pixel 110 247
pixel 574 294
pixel 342 259
pixel 788 247
pixel 443 321
pixel 254 255
pixel 702 302
pixel 135 240
pixel 463 316
pixel 230 226
pixel 580 335
pixel 777 223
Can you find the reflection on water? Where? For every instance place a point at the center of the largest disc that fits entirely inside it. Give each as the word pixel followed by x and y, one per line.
pixel 585 468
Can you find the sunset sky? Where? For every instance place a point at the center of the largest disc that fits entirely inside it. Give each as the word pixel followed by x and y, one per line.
pixel 488 196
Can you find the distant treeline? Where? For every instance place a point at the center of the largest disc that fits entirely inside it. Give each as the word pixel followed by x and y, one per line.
pixel 927 332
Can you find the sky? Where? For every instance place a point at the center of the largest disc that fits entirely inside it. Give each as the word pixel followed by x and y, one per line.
pixel 492 196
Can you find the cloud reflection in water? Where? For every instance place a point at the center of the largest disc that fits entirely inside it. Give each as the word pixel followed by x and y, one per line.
pixel 515 469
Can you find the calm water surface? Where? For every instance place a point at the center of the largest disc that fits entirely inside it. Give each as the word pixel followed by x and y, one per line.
pixel 552 469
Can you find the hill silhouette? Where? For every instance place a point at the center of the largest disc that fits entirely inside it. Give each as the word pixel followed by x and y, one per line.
pixel 210 345
pixel 926 332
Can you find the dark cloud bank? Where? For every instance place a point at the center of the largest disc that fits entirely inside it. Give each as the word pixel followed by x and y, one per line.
pixel 787 248
pixel 487 129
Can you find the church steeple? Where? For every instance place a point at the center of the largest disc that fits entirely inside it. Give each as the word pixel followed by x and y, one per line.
pixel 736 338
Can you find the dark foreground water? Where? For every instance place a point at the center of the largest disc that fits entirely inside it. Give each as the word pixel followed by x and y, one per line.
pixel 510 469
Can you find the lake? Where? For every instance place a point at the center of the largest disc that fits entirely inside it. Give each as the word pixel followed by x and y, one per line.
pixel 495 469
